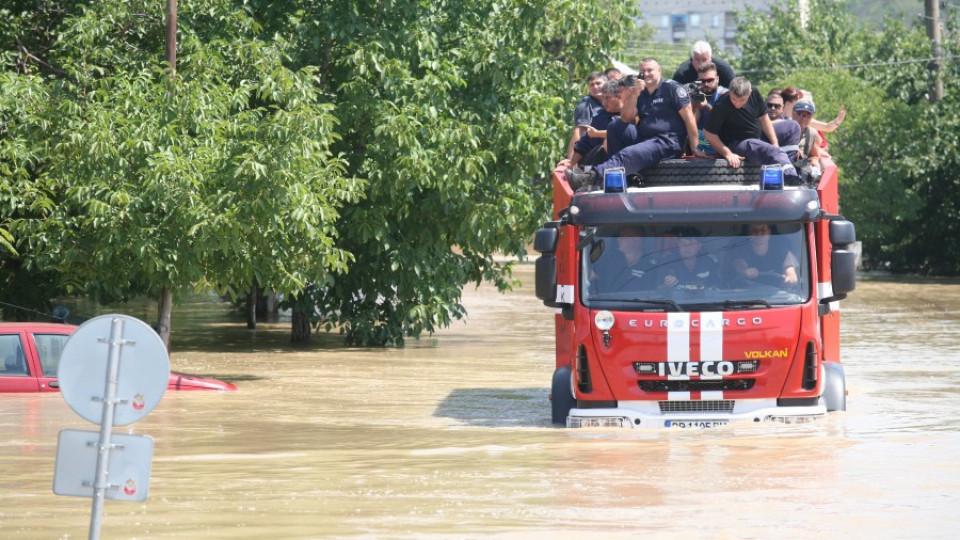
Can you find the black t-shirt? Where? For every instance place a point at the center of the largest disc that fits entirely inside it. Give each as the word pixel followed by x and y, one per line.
pixel 732 124
pixel 686 74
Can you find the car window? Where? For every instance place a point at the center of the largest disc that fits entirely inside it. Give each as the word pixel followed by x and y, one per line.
pixel 14 361
pixel 49 347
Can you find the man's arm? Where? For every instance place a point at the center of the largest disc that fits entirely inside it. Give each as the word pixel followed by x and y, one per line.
pixel 595 133
pixel 767 126
pixel 628 111
pixel 733 159
pixel 686 114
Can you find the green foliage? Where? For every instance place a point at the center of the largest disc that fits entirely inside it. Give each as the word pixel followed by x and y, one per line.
pixel 897 152
pixel 368 158
pixel 222 175
pixel 451 110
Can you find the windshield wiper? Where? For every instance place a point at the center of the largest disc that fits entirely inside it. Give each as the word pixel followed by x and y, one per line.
pixel 745 303
pixel 668 303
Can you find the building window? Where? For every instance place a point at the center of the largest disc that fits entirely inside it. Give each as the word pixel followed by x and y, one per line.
pixel 664 21
pixel 694 20
pixel 715 20
pixel 679 22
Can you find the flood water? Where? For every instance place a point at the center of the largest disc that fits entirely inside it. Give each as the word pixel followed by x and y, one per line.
pixel 450 438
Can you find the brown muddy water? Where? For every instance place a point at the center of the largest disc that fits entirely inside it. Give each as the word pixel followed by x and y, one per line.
pixel 450 438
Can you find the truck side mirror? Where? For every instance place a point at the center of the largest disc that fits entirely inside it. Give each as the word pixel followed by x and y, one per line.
pixel 546 278
pixel 843 267
pixel 545 241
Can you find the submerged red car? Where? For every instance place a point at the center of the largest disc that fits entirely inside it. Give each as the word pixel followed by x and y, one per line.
pixel 30 355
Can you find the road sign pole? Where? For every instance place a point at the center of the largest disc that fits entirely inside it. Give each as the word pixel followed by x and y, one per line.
pixel 101 483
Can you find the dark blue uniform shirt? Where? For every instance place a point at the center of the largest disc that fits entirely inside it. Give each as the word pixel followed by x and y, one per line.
pixel 658 112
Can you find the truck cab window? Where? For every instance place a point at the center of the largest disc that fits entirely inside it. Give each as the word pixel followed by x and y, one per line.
pixel 696 267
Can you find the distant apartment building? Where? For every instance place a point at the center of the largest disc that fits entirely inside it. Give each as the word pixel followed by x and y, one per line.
pixel 682 22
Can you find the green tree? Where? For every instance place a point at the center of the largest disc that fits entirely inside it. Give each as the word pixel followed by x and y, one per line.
pixel 453 111
pixel 403 142
pixel 223 176
pixel 896 152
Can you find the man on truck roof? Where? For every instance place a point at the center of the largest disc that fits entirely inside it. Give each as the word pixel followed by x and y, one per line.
pixel 700 54
pixel 666 123
pixel 589 106
pixel 736 124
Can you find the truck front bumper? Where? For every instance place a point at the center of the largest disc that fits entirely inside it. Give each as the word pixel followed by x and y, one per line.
pixel 650 414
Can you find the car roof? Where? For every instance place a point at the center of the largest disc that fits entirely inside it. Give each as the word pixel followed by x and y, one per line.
pixel 56 328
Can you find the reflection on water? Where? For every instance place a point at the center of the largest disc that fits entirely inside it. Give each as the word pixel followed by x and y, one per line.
pixel 450 438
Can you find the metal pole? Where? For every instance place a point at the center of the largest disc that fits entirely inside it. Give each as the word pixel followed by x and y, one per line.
pixel 100 484
pixel 932 8
pixel 171 33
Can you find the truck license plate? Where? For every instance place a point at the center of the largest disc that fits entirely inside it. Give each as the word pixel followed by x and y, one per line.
pixel 694 423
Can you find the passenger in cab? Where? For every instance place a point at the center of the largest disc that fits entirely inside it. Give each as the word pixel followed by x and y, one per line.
pixel 665 124
pixel 700 54
pixel 764 260
pixel 686 266
pixel 736 124
pixel 624 267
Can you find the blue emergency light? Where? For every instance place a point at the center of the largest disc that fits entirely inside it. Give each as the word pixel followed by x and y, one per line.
pixel 614 180
pixel 771 177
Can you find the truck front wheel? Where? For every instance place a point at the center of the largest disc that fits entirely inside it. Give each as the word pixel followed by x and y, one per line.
pixel 561 395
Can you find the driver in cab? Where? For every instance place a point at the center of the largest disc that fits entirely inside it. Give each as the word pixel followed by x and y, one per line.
pixel 763 258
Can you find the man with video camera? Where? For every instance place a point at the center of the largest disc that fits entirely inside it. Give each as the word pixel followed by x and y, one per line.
pixel 704 92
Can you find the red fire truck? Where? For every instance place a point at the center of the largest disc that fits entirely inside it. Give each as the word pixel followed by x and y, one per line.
pixel 695 297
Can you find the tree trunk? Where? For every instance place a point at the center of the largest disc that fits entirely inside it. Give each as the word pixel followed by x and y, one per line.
pixel 164 311
pixel 300 331
pixel 252 308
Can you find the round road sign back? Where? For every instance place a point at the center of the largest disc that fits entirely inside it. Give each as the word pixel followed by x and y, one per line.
pixel 141 380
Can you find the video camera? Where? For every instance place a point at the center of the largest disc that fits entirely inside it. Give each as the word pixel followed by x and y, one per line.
pixel 696 91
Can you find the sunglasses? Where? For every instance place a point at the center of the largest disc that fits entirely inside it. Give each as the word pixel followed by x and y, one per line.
pixel 775 105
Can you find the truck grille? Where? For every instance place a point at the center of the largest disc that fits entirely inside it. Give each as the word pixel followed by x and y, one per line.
pixel 723 405
pixel 696 386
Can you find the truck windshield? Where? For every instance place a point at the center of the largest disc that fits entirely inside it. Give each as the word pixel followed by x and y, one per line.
pixel 728 266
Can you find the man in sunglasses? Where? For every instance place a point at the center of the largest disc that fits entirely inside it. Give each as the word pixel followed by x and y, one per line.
pixel 787 129
pixel 774 105
pixel 712 90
